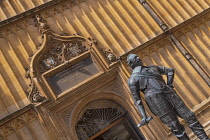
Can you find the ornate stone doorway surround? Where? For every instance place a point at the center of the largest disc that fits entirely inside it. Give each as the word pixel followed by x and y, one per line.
pixel 99 101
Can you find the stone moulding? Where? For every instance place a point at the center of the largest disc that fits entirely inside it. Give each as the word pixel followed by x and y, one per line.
pixel 15 121
pixel 54 51
pixel 58 52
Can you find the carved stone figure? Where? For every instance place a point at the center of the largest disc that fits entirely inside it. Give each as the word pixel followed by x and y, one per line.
pixel 111 57
pixel 161 98
pixel 42 24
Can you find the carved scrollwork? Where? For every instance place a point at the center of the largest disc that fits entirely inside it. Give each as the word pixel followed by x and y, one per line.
pixel 73 49
pixel 53 57
pixel 60 52
pixel 33 93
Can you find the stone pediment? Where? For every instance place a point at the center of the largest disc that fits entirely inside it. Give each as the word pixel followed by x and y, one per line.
pixel 64 62
pixel 55 55
pixel 57 50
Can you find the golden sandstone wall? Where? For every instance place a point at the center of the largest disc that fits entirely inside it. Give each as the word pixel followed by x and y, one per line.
pixel 119 25
pixel 122 31
pixel 174 12
pixel 10 8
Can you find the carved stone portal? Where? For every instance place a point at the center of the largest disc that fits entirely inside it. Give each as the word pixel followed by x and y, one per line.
pixel 96 116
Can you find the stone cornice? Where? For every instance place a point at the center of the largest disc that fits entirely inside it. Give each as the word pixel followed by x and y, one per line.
pixel 38 9
pixel 15 114
pixel 178 30
pixel 20 21
pixel 29 12
pixel 192 23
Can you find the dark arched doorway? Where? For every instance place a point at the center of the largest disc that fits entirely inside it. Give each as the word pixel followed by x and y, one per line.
pixel 106 120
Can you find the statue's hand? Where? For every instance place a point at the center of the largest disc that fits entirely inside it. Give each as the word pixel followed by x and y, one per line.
pixel 144 121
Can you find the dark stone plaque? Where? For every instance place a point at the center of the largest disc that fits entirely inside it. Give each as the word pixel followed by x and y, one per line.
pixel 73 75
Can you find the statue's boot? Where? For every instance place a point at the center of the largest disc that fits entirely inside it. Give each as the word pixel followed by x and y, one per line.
pixel 180 133
pixel 183 137
pixel 198 130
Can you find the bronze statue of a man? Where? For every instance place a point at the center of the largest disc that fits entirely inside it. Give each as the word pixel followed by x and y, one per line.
pixel 161 98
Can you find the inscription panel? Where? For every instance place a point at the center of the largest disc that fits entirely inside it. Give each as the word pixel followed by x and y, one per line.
pixel 73 75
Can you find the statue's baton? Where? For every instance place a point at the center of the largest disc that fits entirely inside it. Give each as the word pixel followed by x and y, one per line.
pixel 145 122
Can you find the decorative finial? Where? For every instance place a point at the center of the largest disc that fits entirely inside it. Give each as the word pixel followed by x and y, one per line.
pixel 43 27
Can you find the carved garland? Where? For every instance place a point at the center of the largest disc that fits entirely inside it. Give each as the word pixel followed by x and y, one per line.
pixel 60 52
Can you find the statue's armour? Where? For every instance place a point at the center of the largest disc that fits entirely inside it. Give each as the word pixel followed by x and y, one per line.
pixel 160 98
pixel 149 79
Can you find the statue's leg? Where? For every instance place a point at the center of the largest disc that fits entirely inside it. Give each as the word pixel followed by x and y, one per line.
pixel 184 112
pixel 162 108
pixel 171 120
pixel 194 124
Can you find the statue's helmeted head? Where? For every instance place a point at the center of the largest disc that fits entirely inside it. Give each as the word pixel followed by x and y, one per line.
pixel 133 61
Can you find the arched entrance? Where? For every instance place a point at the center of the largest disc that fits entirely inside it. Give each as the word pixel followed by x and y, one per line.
pixel 104 119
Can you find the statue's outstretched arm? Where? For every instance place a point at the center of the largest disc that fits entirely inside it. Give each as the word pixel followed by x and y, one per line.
pixel 138 103
pixel 137 100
